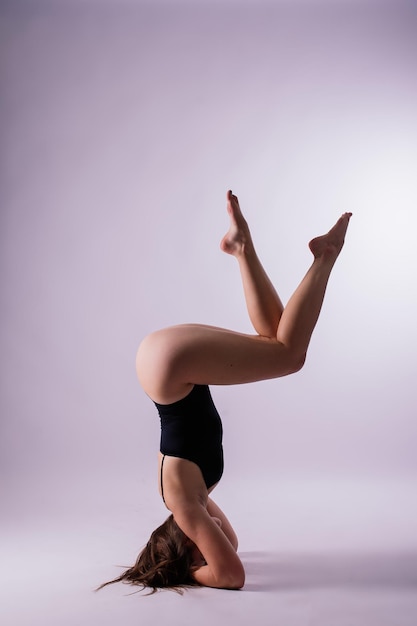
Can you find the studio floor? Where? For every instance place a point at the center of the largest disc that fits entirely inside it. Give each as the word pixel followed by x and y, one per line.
pixel 315 569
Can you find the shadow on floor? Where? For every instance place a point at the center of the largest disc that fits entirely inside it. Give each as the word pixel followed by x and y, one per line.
pixel 274 571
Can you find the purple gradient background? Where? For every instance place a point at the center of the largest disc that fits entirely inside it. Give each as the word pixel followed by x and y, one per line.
pixel 123 124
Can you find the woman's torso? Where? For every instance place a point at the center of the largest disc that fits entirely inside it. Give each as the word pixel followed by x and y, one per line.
pixel 191 452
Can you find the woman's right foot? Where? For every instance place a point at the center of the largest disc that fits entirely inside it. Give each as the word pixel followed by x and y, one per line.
pixel 329 246
pixel 238 236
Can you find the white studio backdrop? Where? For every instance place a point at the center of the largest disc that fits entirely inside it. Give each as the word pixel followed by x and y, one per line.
pixel 123 124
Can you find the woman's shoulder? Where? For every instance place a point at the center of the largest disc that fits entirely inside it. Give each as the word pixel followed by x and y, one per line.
pixel 222 566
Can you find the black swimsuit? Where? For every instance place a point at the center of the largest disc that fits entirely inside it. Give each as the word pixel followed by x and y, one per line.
pixel 191 429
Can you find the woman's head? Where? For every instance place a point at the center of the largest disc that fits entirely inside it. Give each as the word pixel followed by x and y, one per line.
pixel 167 561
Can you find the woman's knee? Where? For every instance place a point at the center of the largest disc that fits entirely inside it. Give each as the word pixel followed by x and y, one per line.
pixel 294 362
pixel 297 362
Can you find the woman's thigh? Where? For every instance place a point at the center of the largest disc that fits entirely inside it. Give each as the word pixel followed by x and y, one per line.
pixel 172 360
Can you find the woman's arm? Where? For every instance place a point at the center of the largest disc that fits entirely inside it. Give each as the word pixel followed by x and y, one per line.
pixel 215 511
pixel 223 567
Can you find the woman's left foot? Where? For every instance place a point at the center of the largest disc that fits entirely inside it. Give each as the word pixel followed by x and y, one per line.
pixel 238 236
pixel 329 246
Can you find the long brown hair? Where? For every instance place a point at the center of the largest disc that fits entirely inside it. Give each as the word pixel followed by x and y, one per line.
pixel 165 562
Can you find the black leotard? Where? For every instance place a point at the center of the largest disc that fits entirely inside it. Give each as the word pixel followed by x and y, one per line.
pixel 191 429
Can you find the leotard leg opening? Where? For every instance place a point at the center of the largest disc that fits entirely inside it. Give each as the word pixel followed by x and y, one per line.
pixel 160 480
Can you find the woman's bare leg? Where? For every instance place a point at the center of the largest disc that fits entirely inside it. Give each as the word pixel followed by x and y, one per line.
pixel 262 301
pixel 302 311
pixel 172 360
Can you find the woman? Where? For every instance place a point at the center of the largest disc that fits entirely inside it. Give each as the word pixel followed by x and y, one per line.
pixel 196 545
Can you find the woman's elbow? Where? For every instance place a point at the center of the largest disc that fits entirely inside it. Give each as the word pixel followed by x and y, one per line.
pixel 234 580
pixel 238 583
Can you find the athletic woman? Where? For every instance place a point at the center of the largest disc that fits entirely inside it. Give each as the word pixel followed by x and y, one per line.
pixel 197 545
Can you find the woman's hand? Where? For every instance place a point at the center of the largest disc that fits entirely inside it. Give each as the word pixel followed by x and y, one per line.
pixel 223 568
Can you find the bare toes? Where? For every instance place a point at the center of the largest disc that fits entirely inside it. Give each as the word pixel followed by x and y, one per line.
pixel 238 236
pixel 330 245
